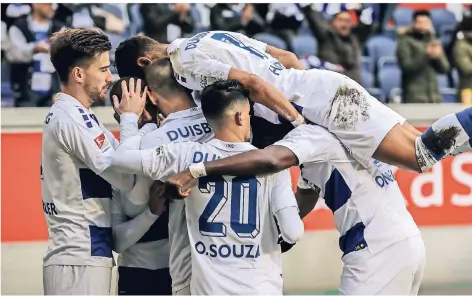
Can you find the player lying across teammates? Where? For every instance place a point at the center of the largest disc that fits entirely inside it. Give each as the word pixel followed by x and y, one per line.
pixel 225 219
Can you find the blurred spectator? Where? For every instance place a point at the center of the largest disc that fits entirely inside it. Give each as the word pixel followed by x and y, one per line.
pixel 12 11
pixel 166 22
pixel 339 42
pixel 462 60
pixel 313 62
pixel 284 21
pixel 421 57
pixel 236 18
pixel 32 74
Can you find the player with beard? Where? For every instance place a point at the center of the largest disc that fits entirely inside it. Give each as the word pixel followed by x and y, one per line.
pixel 75 175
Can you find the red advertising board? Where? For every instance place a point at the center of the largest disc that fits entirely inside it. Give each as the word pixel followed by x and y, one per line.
pixel 440 197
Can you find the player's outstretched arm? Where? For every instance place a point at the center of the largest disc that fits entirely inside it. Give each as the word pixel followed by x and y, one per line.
pixel 287 58
pixel 270 160
pixel 128 232
pixel 266 94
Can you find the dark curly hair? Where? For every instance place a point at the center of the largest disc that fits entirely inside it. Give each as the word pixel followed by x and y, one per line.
pixel 74 47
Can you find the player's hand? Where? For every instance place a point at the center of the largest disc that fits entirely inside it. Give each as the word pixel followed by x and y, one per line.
pixel 284 246
pixel 157 201
pixel 133 100
pixel 178 186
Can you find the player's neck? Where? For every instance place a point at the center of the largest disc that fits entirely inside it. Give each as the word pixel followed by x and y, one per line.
pixel 78 94
pixel 227 135
pixel 178 104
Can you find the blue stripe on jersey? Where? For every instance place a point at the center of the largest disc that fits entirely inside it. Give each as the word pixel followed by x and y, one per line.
pixel 337 193
pixel 465 119
pixel 353 239
pixel 93 186
pixel 158 230
pixel 100 241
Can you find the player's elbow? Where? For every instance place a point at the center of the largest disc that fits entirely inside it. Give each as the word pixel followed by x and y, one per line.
pixel 293 234
pixel 271 163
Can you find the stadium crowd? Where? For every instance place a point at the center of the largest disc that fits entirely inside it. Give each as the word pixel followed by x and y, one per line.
pixel 400 52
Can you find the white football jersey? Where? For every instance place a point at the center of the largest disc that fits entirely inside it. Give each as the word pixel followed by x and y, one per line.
pixel 76 150
pixel 369 208
pixel 152 250
pixel 233 235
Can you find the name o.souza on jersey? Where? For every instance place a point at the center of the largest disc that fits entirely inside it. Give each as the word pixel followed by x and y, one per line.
pixel 233 235
pixel 76 149
pixel 368 206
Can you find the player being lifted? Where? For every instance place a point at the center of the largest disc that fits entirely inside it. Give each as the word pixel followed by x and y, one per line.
pixel 383 252
pixel 364 126
pixel 230 220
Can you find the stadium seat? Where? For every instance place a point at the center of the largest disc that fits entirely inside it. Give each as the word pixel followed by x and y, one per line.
pixel 367 64
pixel 443 81
pixel 136 21
pixel 304 45
pixel 387 62
pixel 375 92
pixel 448 95
pixel 367 79
pixel 402 16
pixel 395 95
pixel 380 46
pixel 455 78
pixel 271 40
pixel 442 17
pixel 389 78
pixel 305 29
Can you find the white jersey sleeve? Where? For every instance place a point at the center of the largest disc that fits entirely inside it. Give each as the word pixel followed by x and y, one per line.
pixel 91 146
pixel 128 232
pixel 282 194
pixel 308 144
pixel 167 160
pixel 284 207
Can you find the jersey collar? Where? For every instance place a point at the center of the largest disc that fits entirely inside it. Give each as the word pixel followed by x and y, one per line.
pixel 70 100
pixel 240 147
pixel 183 114
pixel 174 45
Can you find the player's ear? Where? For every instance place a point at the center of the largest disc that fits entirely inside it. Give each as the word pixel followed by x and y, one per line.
pixel 239 118
pixel 78 74
pixel 144 61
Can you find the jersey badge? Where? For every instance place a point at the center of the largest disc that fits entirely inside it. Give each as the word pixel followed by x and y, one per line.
pixel 102 142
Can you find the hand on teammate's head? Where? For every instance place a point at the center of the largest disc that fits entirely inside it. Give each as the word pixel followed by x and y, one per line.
pixel 133 98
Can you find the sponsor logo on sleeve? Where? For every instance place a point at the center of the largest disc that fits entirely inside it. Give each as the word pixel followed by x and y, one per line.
pixel 102 142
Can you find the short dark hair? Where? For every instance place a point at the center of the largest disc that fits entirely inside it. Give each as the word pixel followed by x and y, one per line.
pixel 160 78
pixel 115 89
pixel 418 13
pixel 128 53
pixel 216 98
pixel 73 47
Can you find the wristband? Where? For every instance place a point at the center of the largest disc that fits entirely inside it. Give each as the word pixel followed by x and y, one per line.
pixel 197 170
pixel 300 120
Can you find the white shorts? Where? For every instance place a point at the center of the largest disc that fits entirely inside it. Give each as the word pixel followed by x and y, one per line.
pixel 76 280
pixel 183 291
pixel 396 270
